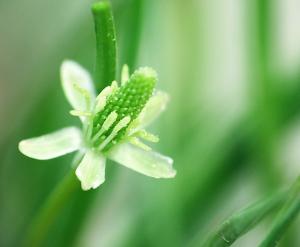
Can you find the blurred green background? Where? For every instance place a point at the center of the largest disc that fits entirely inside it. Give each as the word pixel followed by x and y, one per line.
pixel 232 69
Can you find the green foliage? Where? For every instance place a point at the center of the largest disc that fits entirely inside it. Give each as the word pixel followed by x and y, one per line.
pixel 242 222
pixel 215 146
pixel 285 217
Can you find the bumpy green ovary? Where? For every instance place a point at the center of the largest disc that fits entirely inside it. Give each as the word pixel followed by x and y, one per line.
pixel 128 100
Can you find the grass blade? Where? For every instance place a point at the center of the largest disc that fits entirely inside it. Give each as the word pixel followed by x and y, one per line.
pixel 50 211
pixel 243 221
pixel 285 217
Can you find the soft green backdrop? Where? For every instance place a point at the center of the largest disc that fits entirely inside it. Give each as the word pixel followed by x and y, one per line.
pixel 232 127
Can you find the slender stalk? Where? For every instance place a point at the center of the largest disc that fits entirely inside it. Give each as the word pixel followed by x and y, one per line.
pixel 106 61
pixel 264 91
pixel 285 217
pixel 243 221
pixel 104 75
pixel 133 29
pixel 50 211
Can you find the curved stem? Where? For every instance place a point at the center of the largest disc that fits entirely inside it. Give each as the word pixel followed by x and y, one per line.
pixel 242 222
pixel 285 217
pixel 51 209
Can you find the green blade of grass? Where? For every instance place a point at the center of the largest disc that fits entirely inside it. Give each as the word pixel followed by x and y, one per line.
pixel 285 217
pixel 106 53
pixel 50 211
pixel 133 30
pixel 243 221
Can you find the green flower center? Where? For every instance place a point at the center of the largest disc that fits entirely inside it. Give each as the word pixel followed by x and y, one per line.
pixel 127 102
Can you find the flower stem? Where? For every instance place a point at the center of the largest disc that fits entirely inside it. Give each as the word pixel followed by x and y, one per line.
pixel 51 209
pixel 106 53
pixel 104 74
pixel 285 217
pixel 243 221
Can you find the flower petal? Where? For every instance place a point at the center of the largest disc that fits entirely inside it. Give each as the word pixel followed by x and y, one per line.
pixel 77 85
pixel 156 105
pixel 52 145
pixel 91 170
pixel 148 163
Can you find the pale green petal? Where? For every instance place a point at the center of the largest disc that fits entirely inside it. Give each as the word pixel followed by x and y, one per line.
pixel 77 85
pixel 154 107
pixel 91 170
pixel 148 163
pixel 52 145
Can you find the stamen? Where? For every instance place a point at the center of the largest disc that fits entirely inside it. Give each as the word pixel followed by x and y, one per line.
pixel 123 123
pixel 147 136
pixel 114 86
pixel 109 121
pixel 124 74
pixel 133 127
pixel 79 113
pixel 89 129
pixel 101 98
pixel 135 141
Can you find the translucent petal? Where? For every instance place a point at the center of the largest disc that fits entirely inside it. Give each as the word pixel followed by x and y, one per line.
pixel 91 170
pixel 52 145
pixel 77 85
pixel 156 105
pixel 148 163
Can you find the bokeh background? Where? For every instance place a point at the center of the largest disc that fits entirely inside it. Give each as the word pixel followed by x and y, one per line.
pixel 232 69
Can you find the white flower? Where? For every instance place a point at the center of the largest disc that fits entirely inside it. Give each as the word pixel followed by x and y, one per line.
pixel 113 124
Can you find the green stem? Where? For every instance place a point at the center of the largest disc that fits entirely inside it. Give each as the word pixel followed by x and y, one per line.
pixel 285 217
pixel 104 75
pixel 265 108
pixel 133 30
pixel 243 221
pixel 50 211
pixel 106 61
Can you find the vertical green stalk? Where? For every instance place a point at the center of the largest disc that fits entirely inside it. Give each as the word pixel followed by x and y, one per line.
pixel 104 75
pixel 133 30
pixel 106 61
pixel 264 107
pixel 50 211
pixel 263 32
pixel 265 111
pixel 285 217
